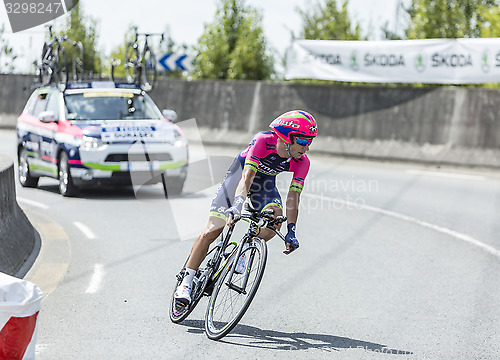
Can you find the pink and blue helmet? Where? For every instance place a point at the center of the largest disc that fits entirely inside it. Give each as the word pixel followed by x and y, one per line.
pixel 294 123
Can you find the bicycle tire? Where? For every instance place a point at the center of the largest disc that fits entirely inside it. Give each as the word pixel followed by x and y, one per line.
pixel 78 62
pixel 177 317
pixel 114 64
pixel 132 63
pixel 216 324
pixel 149 73
pixel 61 68
pixel 45 71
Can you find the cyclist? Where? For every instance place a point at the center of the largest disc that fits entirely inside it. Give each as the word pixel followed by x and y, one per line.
pixel 253 175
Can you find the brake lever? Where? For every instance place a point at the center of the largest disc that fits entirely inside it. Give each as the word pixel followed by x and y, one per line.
pixel 280 219
pixel 236 218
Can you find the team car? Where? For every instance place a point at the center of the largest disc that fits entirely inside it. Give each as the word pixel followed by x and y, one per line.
pixel 96 133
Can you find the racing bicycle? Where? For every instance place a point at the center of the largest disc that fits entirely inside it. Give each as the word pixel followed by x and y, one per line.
pixel 230 292
pixel 54 64
pixel 140 66
pixel 53 67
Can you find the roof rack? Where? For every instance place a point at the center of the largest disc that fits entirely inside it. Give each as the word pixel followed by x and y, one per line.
pixel 101 84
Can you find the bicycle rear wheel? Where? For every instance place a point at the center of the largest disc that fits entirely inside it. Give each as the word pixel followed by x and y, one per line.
pixel 61 69
pixel 227 306
pixel 149 73
pixel 203 274
pixel 178 314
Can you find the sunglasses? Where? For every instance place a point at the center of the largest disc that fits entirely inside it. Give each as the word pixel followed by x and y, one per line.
pixel 303 142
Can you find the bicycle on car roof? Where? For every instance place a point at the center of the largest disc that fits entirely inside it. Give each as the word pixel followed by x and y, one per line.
pixel 140 64
pixel 53 67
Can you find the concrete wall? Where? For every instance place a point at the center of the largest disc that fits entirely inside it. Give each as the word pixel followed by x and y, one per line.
pixel 14 92
pixel 436 124
pixel 452 125
pixel 17 236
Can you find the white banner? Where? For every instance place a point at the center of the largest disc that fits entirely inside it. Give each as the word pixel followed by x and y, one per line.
pixel 438 61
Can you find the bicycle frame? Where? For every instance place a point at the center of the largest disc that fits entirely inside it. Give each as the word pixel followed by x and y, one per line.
pixel 207 278
pixel 213 264
pixel 253 230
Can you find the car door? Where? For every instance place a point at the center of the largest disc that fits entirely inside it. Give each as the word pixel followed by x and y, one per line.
pixel 45 162
pixel 36 133
pixel 48 145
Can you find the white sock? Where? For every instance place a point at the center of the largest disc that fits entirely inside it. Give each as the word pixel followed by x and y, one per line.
pixel 188 277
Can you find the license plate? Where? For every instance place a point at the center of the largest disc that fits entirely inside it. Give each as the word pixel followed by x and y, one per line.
pixel 139 166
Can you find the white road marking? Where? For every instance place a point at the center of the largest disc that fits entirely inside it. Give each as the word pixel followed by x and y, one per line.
pixel 446 175
pixel 33 203
pixel 85 230
pixel 95 282
pixel 457 235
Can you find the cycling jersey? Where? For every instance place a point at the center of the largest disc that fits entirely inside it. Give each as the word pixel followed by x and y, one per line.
pixel 262 157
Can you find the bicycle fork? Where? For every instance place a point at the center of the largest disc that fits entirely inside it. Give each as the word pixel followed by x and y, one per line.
pixel 229 283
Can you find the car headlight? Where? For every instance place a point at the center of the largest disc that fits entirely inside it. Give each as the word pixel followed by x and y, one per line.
pixel 90 143
pixel 180 141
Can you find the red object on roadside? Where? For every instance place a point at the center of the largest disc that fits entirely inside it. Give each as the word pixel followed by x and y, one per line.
pixel 15 337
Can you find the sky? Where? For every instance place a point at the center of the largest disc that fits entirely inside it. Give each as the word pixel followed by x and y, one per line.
pixel 185 21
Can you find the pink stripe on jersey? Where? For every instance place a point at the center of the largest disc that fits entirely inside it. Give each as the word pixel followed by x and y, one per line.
pixel 261 155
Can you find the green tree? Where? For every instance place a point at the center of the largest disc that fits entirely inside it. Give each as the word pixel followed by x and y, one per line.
pixel 449 18
pixel 83 28
pixel 491 26
pixel 234 46
pixel 7 55
pixel 326 21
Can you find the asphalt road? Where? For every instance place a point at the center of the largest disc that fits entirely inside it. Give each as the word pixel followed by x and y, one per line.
pixel 397 261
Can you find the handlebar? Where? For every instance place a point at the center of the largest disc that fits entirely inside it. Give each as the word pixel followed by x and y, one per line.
pixel 263 219
pixel 151 34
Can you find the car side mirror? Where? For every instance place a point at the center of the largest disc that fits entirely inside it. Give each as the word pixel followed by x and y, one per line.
pixel 73 116
pixel 47 117
pixel 170 115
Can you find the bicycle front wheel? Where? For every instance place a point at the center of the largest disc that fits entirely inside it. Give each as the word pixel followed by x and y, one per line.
pixel 78 62
pixel 232 297
pixel 45 70
pixel 148 70
pixel 62 68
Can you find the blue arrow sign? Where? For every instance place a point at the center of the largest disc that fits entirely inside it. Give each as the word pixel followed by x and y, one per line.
pixel 172 62
pixel 179 62
pixel 163 61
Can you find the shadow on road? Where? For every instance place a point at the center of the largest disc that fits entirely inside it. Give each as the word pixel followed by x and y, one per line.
pixel 119 193
pixel 250 336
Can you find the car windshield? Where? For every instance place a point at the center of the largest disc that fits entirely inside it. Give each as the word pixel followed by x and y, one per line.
pixel 110 106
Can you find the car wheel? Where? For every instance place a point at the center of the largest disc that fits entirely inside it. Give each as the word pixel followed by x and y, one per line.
pixel 25 177
pixel 174 185
pixel 66 186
